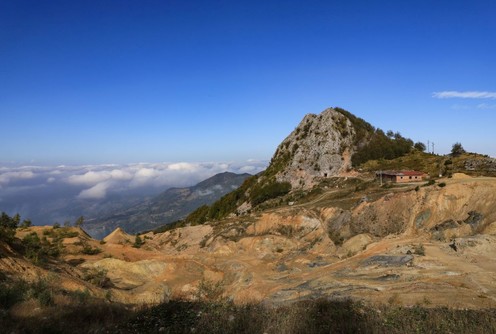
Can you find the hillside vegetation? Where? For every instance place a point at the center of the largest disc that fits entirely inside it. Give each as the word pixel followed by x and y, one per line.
pixel 435 165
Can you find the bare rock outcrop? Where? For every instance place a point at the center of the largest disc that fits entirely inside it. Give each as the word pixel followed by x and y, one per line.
pixel 320 146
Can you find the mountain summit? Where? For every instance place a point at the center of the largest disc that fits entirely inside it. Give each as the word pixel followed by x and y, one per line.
pixel 320 146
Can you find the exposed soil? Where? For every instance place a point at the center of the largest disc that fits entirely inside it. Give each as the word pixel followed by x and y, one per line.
pixel 434 246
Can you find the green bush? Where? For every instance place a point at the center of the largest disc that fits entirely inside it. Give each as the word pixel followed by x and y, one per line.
pixel 419 250
pixel 42 291
pixel 88 250
pixel 457 150
pixel 80 296
pixel 98 277
pixel 227 204
pixel 39 250
pixel 199 216
pixel 362 128
pixel 381 146
pixel 138 242
pixel 59 233
pixel 260 194
pixel 429 183
pixel 8 226
pixel 12 293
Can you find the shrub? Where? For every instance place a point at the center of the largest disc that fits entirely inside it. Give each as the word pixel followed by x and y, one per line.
pixel 457 149
pixel 419 146
pixel 199 216
pixel 26 223
pixel 210 291
pixel 98 277
pixel 59 233
pixel 138 242
pixel 260 194
pixel 88 250
pixel 42 291
pixel 8 227
pixel 380 146
pixel 10 294
pixel 429 183
pixel 419 250
pixel 442 184
pixel 80 296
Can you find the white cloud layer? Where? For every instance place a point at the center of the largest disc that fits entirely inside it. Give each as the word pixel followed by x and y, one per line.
pixel 98 191
pixel 9 176
pixel 97 181
pixel 464 95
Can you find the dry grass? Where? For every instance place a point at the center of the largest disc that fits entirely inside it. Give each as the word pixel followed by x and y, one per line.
pixel 313 316
pixel 90 315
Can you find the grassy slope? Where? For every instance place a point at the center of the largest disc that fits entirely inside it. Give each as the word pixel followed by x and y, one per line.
pixel 429 163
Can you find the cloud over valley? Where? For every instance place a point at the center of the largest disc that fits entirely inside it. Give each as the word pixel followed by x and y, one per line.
pixel 30 190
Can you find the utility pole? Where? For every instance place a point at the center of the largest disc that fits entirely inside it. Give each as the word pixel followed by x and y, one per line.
pixel 428 146
pixel 432 147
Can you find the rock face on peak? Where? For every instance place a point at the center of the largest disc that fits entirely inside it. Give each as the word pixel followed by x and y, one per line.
pixel 320 146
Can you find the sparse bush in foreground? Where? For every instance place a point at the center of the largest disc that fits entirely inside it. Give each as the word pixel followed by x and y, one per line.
pixel 202 316
pixel 12 293
pixel 310 316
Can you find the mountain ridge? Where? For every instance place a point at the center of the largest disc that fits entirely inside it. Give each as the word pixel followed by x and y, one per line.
pixel 169 206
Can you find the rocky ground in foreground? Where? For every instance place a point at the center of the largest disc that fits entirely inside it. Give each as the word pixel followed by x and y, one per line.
pixel 404 245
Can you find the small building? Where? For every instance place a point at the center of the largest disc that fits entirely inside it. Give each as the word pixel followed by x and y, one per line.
pixel 400 176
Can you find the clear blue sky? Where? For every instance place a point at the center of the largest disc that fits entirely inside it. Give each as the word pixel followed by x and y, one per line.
pixel 126 81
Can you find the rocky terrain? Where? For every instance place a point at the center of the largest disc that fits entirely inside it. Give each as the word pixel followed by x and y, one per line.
pixel 432 245
pixel 337 234
pixel 321 145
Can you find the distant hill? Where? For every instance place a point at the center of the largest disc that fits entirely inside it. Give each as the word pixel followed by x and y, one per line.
pixel 167 207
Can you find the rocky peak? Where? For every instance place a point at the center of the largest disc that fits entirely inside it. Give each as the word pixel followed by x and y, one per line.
pixel 320 146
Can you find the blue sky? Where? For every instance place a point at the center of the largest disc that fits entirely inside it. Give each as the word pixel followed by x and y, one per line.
pixel 131 81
